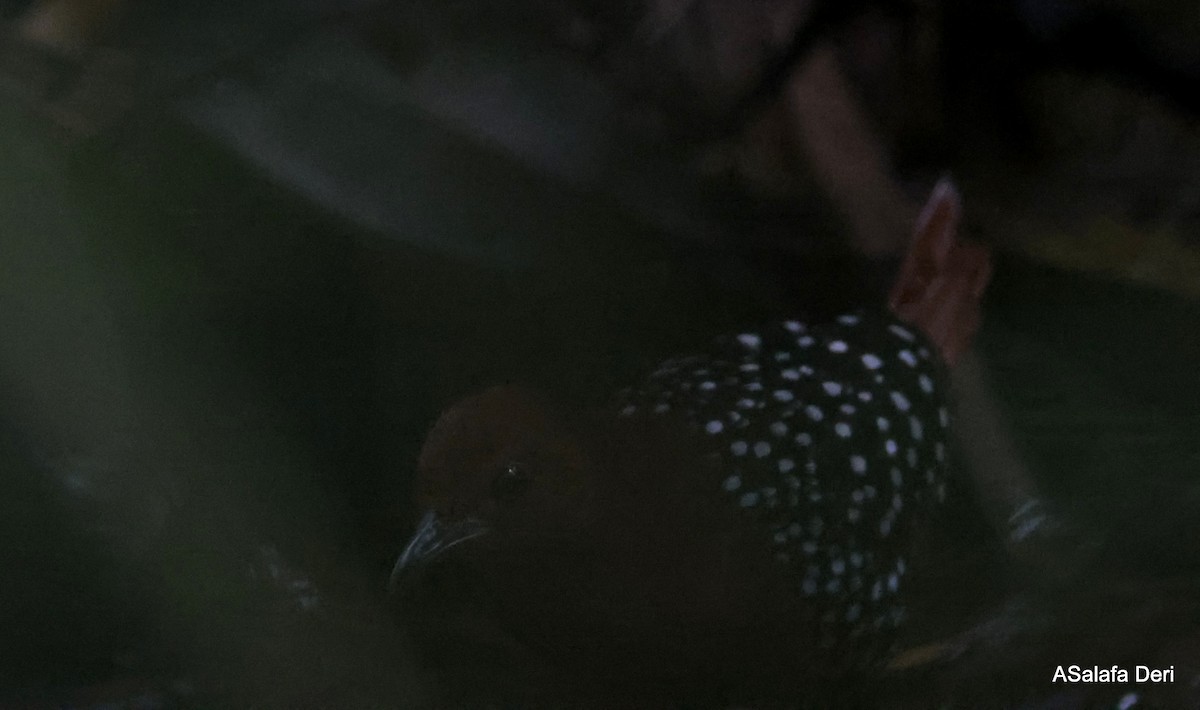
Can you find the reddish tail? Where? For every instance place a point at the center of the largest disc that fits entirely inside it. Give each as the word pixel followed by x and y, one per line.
pixel 942 278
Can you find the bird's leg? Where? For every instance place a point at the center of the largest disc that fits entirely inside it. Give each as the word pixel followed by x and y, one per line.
pixel 939 290
pixel 942 278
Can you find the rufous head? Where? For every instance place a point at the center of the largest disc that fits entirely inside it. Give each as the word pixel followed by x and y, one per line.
pixel 503 466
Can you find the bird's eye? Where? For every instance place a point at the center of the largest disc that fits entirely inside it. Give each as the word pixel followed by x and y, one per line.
pixel 510 483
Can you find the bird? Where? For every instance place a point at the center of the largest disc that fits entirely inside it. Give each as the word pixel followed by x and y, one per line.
pixel 737 527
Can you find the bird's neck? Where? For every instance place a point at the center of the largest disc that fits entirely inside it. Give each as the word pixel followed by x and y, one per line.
pixel 663 522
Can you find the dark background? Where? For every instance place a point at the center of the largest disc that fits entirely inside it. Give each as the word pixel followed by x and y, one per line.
pixel 250 249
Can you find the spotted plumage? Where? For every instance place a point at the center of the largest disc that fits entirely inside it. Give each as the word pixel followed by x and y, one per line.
pixel 833 438
pixel 757 552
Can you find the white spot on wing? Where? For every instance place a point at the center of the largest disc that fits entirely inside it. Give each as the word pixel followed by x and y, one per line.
pixel 750 340
pixel 900 401
pixel 783 395
pixel 732 483
pixel 714 427
pixel 762 449
pixel 838 346
pixel 907 357
pixel 902 332
pixel 831 388
pixel 858 464
pixel 738 448
pixel 843 430
pixel 871 361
